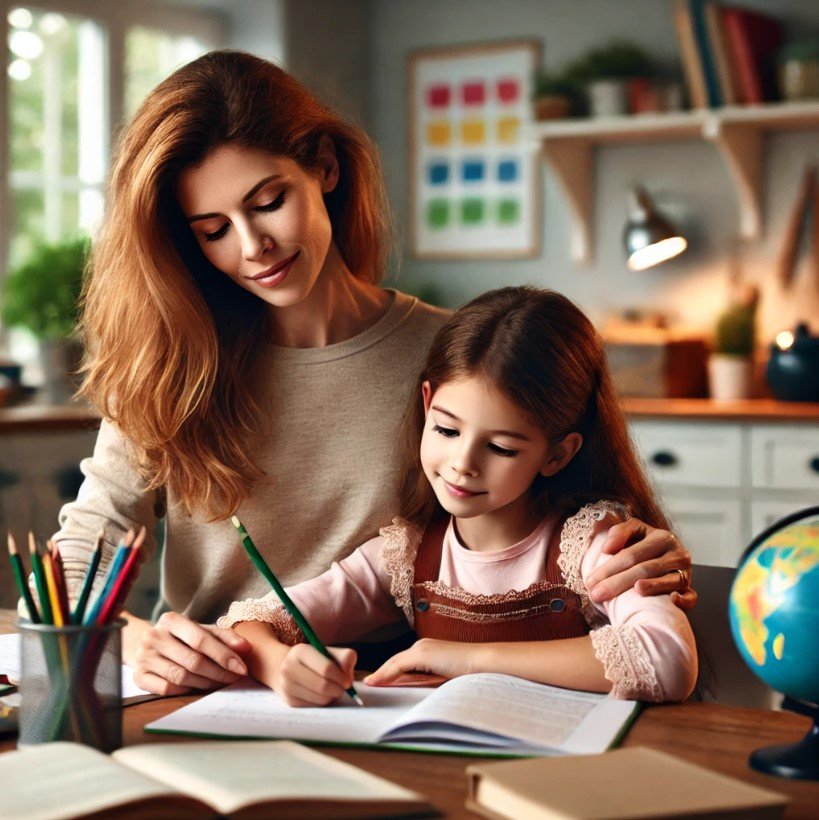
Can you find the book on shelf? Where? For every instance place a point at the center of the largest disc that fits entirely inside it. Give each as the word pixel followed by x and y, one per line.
pixel 713 91
pixel 215 779
pixel 752 39
pixel 635 782
pixel 721 57
pixel 486 714
pixel 690 55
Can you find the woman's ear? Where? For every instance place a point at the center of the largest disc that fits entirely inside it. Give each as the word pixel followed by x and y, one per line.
pixel 426 392
pixel 561 454
pixel 328 163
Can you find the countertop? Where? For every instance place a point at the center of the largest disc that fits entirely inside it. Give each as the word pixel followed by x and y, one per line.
pixel 34 417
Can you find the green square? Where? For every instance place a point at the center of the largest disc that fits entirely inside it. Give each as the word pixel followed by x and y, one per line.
pixel 437 213
pixel 508 211
pixel 472 211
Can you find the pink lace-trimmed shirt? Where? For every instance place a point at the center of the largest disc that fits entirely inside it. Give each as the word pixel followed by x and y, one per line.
pixel 644 643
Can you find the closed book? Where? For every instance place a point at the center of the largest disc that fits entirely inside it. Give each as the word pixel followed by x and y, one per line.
pixel 635 783
pixel 752 39
pixel 690 55
pixel 719 50
pixel 709 67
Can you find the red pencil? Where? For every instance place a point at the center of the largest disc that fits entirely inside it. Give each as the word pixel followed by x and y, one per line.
pixel 122 585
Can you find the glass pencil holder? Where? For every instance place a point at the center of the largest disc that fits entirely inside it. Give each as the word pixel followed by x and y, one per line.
pixel 71 684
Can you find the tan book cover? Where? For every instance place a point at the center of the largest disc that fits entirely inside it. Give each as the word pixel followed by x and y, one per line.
pixel 626 783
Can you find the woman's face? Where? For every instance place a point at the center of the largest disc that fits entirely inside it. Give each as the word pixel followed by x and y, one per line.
pixel 261 218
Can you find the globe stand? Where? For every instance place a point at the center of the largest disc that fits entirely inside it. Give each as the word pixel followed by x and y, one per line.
pixel 797 761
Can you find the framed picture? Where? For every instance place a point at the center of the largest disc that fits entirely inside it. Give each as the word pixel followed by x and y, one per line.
pixel 474 177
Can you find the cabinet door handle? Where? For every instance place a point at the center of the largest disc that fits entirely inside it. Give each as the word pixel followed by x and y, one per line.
pixel 814 464
pixel 664 458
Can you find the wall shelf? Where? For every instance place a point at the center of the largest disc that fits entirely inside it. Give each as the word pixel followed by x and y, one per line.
pixel 569 148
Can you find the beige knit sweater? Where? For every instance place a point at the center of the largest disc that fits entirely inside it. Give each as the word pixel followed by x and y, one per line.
pixel 329 454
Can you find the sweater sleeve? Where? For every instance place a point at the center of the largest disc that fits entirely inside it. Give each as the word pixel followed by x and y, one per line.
pixel 343 604
pixel 647 648
pixel 113 498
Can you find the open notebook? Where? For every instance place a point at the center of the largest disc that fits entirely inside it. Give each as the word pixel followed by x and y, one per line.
pixel 474 714
pixel 57 781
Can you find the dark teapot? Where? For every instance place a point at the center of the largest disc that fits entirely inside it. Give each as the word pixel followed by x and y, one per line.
pixel 793 370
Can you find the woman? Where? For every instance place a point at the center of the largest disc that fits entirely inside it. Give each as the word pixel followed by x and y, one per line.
pixel 245 359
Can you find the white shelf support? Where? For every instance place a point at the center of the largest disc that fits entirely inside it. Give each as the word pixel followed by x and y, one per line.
pixel 741 147
pixel 572 162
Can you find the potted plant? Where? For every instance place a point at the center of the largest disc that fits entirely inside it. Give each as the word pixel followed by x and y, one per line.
pixel 606 72
pixel 730 366
pixel 41 294
pixel 553 96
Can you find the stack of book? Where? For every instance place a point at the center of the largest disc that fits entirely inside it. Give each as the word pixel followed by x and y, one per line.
pixel 728 53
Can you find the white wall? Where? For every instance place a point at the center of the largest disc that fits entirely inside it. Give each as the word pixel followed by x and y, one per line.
pixel 690 175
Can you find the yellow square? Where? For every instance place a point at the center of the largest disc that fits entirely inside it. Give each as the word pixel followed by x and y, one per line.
pixel 473 132
pixel 508 128
pixel 439 132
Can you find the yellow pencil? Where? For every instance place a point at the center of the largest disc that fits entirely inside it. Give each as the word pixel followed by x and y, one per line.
pixel 53 597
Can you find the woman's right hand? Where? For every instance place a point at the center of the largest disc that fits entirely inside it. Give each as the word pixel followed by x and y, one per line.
pixel 306 678
pixel 177 654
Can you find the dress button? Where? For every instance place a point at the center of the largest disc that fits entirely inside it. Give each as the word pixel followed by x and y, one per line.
pixel 557 605
pixel 422 605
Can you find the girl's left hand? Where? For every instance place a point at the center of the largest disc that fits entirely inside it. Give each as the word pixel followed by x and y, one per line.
pixel 654 563
pixel 448 659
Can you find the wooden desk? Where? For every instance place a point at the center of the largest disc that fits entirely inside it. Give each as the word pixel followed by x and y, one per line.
pixel 717 737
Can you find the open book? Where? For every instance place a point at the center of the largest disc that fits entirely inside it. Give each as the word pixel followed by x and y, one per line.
pixel 57 781
pixel 474 714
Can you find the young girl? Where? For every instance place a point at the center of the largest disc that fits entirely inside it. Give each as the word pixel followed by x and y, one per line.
pixel 525 464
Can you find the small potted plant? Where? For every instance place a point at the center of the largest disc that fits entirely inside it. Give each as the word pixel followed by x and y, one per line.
pixel 731 365
pixel 606 72
pixel 554 96
pixel 41 294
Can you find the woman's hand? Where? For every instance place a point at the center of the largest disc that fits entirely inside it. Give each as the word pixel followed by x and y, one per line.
pixel 654 563
pixel 177 655
pixel 449 659
pixel 306 678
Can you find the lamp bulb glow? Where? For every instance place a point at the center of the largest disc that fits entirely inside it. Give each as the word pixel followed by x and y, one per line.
pixel 785 340
pixel 658 252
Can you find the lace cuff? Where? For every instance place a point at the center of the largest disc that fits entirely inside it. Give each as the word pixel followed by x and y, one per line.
pixel 401 542
pixel 254 609
pixel 626 664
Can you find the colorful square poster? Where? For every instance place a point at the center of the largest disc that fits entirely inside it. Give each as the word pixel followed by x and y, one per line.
pixel 474 181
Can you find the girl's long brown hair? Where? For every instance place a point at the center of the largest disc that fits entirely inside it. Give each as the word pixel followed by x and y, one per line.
pixel 172 342
pixel 544 355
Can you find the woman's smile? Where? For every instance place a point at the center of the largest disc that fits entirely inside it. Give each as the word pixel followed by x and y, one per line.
pixel 278 273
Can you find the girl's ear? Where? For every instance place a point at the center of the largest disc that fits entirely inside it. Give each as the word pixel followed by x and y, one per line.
pixel 328 163
pixel 561 454
pixel 426 392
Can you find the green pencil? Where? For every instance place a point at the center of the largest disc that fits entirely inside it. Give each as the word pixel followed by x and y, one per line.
pixel 305 627
pixel 40 580
pixel 20 580
pixel 88 581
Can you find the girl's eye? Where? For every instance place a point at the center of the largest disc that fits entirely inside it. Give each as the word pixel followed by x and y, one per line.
pixel 274 205
pixel 502 451
pixel 215 235
pixel 445 431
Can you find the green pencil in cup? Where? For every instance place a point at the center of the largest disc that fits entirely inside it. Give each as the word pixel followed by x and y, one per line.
pixel 287 602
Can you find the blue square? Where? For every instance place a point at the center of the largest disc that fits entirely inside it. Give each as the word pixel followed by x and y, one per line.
pixel 507 170
pixel 438 173
pixel 472 170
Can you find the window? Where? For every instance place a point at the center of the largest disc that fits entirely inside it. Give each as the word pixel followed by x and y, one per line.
pixel 70 78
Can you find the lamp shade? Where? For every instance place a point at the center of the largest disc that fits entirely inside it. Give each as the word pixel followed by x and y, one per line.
pixel 649 237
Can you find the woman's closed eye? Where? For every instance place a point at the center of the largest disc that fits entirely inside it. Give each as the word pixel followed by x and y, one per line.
pixel 448 432
pixel 273 205
pixel 213 236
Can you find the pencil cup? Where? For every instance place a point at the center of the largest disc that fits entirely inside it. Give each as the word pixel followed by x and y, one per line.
pixel 71 684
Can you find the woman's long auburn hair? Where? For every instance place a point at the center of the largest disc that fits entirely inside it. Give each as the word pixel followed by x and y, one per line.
pixel 543 354
pixel 171 341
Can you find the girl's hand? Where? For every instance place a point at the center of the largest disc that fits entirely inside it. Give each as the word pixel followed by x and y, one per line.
pixel 177 655
pixel 449 659
pixel 649 565
pixel 306 678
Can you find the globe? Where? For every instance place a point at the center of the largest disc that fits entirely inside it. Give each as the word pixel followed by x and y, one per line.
pixel 774 612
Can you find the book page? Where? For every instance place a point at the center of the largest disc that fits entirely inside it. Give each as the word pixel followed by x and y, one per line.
pixel 512 708
pixel 248 709
pixel 230 775
pixel 60 780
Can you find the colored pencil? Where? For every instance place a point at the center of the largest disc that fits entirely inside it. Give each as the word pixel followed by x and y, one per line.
pixel 88 581
pixel 51 583
pixel 21 581
pixel 261 565
pixel 59 580
pixel 123 548
pixel 40 581
pixel 122 585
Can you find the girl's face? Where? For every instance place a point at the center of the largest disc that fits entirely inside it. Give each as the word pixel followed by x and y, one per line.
pixel 480 452
pixel 261 218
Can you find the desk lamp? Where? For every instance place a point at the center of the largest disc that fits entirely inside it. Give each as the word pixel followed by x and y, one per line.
pixel 648 236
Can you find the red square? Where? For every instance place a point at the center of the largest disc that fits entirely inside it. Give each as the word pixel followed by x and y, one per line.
pixel 473 93
pixel 508 90
pixel 438 96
